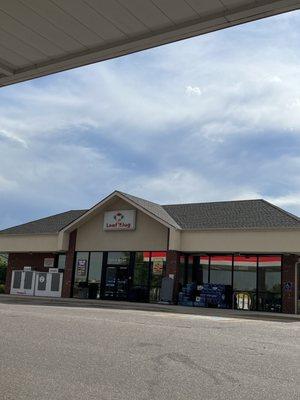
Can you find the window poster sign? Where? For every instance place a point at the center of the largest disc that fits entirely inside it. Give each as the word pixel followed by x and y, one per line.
pixel 81 268
pixel 123 220
pixel 157 267
pixel 53 270
pixel 48 262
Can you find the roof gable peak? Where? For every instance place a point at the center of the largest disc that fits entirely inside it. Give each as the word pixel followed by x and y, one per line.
pixel 154 210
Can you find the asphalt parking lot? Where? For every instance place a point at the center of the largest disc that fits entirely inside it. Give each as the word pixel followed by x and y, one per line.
pixel 49 352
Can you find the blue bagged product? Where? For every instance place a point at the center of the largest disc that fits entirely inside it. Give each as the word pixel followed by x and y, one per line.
pixel 187 295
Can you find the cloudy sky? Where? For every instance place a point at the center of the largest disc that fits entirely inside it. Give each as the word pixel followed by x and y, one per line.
pixel 210 118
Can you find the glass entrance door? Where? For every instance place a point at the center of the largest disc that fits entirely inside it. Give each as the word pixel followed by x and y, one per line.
pixel 116 282
pixel 121 289
pixel 110 282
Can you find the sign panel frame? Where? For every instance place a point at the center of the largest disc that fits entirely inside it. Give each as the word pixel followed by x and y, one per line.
pixel 119 220
pixel 49 262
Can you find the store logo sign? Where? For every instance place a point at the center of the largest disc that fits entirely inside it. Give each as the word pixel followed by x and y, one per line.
pixel 118 217
pixel 123 220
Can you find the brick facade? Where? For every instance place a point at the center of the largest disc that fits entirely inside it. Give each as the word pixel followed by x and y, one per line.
pixel 17 261
pixel 172 267
pixel 70 260
pixel 288 283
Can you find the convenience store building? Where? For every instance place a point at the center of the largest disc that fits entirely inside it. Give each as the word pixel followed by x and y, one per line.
pixel 128 248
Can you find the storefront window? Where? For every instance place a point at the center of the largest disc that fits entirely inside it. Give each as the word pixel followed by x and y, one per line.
pixel 88 270
pixel 82 259
pixel 203 270
pixel 251 282
pixel 221 270
pixel 244 273
pixel 269 274
pixel 269 283
pixel 141 270
pixel 140 289
pixel 80 288
pixel 95 267
pixel 157 268
pixel 244 282
pixel 193 269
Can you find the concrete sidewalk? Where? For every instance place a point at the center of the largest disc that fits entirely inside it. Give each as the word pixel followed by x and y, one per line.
pixel 168 308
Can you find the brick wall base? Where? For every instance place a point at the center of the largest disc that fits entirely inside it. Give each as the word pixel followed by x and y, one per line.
pixel 288 283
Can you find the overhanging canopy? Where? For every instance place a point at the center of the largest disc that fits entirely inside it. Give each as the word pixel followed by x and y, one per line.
pixel 40 37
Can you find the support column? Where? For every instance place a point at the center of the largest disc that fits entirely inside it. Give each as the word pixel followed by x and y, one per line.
pixel 288 283
pixel 70 259
pixel 8 274
pixel 172 268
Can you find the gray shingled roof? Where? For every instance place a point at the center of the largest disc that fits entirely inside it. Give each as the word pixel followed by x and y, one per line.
pixel 52 224
pixel 243 214
pixel 154 208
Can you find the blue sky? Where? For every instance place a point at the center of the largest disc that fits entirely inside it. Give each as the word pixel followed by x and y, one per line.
pixel 211 118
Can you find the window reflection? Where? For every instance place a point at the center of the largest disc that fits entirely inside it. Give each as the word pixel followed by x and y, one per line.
pixel 204 265
pixel 95 267
pixel 201 265
pixel 141 269
pixel 244 277
pixel 88 270
pixel 140 287
pixel 157 271
pixel 82 259
pixel 118 258
pixel 221 270
pixel 269 283
pixel 269 274
pixel 244 282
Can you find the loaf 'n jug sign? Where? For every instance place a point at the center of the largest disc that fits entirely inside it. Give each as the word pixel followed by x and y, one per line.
pixel 121 220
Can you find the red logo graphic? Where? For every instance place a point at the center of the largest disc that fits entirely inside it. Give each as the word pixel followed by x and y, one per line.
pixel 118 217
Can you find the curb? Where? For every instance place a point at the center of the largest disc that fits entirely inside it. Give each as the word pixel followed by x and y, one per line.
pixel 164 308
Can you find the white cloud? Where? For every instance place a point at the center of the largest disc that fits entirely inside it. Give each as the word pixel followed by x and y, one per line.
pixel 182 185
pixel 176 123
pixel 13 137
pixel 7 185
pixel 112 97
pixel 193 90
pixel 274 79
pixel 290 201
